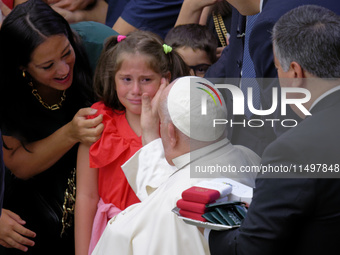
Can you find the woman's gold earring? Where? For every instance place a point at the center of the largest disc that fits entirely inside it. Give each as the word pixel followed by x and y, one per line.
pixel 23 74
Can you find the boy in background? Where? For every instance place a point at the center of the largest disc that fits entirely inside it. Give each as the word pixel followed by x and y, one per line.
pixel 196 44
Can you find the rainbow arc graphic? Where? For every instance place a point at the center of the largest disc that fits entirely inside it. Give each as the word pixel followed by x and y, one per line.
pixel 204 101
pixel 209 93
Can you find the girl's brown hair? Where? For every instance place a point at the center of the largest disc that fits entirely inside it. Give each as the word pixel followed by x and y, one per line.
pixel 141 42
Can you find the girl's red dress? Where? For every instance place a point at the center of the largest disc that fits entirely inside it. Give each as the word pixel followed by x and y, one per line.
pixel 117 144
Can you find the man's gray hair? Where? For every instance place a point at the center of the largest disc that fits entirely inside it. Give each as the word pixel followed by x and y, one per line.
pixel 310 36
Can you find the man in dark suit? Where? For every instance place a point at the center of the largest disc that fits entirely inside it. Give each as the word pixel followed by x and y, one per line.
pixel 229 64
pixel 299 214
pixel 260 47
pixel 228 70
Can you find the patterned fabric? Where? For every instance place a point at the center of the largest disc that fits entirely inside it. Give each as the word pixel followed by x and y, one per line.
pixel 248 70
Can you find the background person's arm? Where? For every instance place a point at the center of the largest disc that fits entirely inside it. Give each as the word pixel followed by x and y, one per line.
pixel 192 10
pixel 122 27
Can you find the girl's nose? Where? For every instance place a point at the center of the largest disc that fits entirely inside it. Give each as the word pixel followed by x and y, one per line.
pixel 136 90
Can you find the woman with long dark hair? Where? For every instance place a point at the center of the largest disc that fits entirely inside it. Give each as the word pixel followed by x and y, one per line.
pixel 45 85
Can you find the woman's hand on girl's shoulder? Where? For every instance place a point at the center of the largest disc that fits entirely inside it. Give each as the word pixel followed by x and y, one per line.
pixel 85 130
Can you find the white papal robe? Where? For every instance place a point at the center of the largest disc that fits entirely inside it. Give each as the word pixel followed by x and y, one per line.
pixel 150 227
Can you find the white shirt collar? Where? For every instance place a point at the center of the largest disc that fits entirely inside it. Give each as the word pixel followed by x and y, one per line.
pixel 324 95
pixel 261 5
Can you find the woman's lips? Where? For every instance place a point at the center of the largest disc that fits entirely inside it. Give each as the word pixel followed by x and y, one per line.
pixel 63 79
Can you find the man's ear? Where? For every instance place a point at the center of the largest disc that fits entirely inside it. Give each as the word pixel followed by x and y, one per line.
pixel 172 134
pixel 297 73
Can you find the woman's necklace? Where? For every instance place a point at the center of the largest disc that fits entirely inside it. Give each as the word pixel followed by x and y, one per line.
pixel 47 106
pixel 219 24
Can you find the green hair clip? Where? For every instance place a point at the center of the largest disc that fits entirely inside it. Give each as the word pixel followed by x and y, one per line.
pixel 167 49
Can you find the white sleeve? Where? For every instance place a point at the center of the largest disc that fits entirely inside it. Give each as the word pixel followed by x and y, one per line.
pixel 147 169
